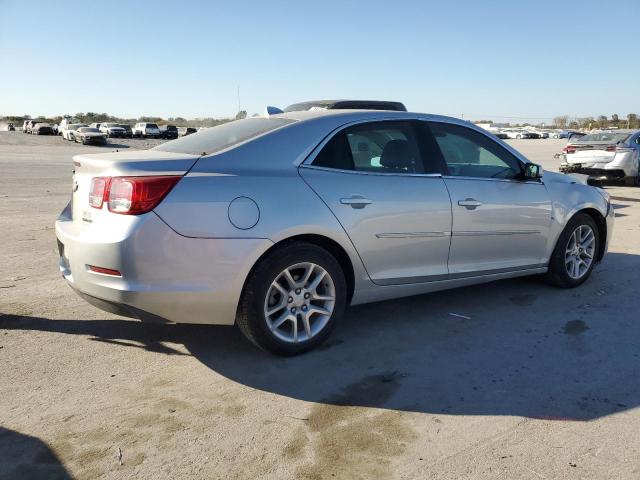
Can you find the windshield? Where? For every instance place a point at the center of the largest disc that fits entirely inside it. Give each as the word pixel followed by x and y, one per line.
pixel 223 136
pixel 152 125
pixel 612 137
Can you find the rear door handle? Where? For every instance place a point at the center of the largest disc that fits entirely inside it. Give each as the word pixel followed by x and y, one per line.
pixel 469 203
pixel 356 201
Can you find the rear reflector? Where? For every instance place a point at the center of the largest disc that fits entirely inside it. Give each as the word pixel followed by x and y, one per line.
pixel 105 271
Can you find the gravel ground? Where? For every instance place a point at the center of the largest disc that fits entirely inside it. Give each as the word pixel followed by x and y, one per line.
pixel 533 382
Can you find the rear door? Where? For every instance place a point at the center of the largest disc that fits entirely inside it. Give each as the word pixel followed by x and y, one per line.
pixel 388 194
pixel 500 222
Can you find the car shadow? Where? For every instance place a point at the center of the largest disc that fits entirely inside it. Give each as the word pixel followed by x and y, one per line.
pixel 26 457
pixel 517 347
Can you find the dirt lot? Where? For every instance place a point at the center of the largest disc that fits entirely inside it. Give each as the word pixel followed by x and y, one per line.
pixel 533 382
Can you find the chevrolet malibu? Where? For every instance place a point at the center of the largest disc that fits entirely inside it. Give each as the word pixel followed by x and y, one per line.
pixel 277 224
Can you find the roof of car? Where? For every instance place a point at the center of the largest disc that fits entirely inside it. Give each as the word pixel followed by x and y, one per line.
pixel 343 104
pixel 349 115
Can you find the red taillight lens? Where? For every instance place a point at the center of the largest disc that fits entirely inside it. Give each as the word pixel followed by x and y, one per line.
pixel 611 148
pixel 569 149
pixel 99 187
pixel 130 195
pixel 136 195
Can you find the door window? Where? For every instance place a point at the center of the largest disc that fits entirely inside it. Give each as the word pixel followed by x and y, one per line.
pixel 380 147
pixel 468 153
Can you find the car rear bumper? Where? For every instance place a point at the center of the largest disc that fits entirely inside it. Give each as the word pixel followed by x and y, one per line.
pixel 164 276
pixel 595 173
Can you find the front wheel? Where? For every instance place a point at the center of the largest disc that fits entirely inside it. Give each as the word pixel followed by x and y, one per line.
pixel 633 181
pixel 575 253
pixel 293 299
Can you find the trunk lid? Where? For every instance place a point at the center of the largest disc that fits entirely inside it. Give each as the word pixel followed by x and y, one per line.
pixel 591 152
pixel 138 163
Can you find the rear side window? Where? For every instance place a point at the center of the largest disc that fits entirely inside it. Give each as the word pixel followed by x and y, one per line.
pixel 218 138
pixel 380 147
pixel 468 153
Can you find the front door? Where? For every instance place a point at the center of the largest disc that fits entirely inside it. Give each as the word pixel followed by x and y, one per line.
pixel 500 222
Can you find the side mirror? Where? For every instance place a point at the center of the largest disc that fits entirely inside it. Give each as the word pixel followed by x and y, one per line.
pixel 532 171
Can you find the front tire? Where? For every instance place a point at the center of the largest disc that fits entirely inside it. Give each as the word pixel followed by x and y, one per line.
pixel 633 181
pixel 575 253
pixel 292 299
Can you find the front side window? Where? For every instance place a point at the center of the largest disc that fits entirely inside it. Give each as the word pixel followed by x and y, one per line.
pixel 468 153
pixel 381 147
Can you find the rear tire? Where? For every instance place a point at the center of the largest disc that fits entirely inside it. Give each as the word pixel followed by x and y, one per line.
pixel 288 318
pixel 575 253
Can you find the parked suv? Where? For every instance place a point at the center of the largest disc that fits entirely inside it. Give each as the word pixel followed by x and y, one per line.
pixel 144 129
pixel 41 129
pixel 127 129
pixel 169 132
pixel 112 130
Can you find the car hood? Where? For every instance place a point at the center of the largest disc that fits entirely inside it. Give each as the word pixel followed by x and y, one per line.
pixel 91 134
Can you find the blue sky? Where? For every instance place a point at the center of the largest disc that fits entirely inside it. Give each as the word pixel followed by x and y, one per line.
pixel 482 59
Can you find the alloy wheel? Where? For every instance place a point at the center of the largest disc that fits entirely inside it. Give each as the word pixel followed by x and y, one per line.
pixel 580 251
pixel 300 302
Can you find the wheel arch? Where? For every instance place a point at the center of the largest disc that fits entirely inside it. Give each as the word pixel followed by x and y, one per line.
pixel 328 244
pixel 601 223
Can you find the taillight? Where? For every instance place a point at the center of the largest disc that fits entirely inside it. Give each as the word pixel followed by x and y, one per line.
pixel 611 148
pixel 130 195
pixel 569 149
pixel 99 188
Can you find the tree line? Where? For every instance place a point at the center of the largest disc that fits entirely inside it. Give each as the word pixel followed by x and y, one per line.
pixel 601 121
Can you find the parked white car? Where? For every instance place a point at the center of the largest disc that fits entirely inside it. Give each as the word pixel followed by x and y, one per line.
pixel 145 130
pixel 65 122
pixel 607 155
pixel 67 132
pixel 513 133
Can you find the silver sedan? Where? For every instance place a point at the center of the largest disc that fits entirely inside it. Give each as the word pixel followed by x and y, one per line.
pixel 277 224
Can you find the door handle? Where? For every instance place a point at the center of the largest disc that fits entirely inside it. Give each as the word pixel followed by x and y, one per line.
pixel 356 201
pixel 469 203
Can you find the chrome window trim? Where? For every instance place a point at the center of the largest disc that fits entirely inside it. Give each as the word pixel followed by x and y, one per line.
pixel 486 179
pixel 361 172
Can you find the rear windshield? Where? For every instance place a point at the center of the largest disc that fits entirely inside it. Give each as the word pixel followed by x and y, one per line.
pixel 152 125
pixel 613 137
pixel 172 128
pixel 218 138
